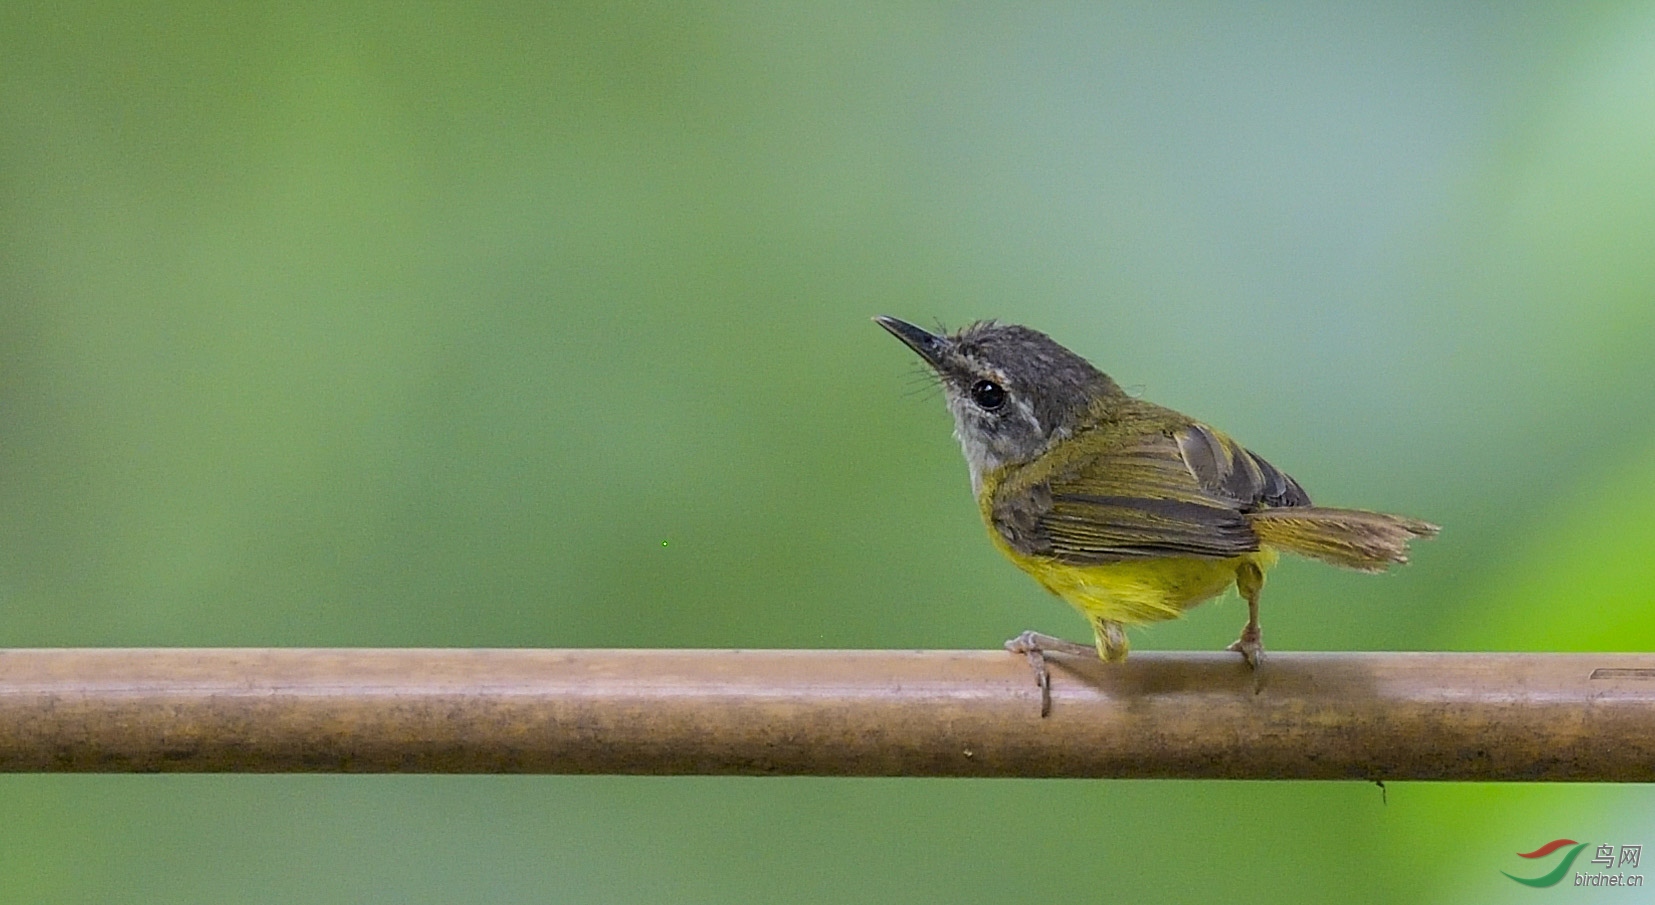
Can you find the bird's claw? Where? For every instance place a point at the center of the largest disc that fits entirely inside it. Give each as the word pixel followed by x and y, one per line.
pixel 1251 651
pixel 1251 647
pixel 1032 645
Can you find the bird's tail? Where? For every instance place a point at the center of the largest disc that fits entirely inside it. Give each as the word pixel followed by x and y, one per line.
pixel 1353 538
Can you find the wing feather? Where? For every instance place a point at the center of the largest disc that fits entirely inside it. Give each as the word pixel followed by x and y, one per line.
pixel 1184 493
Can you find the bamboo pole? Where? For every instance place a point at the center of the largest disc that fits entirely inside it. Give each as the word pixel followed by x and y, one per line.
pixel 1377 716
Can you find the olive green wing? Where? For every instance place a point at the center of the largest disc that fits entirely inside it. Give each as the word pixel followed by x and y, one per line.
pixel 1183 493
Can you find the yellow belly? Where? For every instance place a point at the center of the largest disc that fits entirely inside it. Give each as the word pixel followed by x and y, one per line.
pixel 1139 591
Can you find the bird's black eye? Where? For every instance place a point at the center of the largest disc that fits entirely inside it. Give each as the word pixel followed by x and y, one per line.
pixel 988 395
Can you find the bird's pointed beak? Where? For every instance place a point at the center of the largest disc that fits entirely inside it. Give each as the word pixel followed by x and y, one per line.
pixel 929 345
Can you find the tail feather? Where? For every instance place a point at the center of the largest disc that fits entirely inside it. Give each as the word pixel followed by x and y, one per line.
pixel 1353 538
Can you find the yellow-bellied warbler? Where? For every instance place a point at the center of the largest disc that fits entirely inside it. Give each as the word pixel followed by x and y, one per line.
pixel 1129 511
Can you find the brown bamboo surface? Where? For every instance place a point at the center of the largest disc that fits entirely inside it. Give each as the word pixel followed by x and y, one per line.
pixel 1446 716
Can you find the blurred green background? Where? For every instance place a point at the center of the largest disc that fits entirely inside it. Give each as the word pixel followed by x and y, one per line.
pixel 359 323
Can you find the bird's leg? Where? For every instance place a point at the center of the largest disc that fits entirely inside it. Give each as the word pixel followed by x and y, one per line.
pixel 1034 646
pixel 1250 581
pixel 1111 639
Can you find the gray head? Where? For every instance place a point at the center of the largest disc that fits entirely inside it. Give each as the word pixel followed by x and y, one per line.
pixel 1012 390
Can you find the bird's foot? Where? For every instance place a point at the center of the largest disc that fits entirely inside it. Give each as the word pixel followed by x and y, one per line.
pixel 1251 647
pixel 1035 646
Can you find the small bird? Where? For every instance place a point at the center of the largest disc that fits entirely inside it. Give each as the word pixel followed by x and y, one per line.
pixel 1129 511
